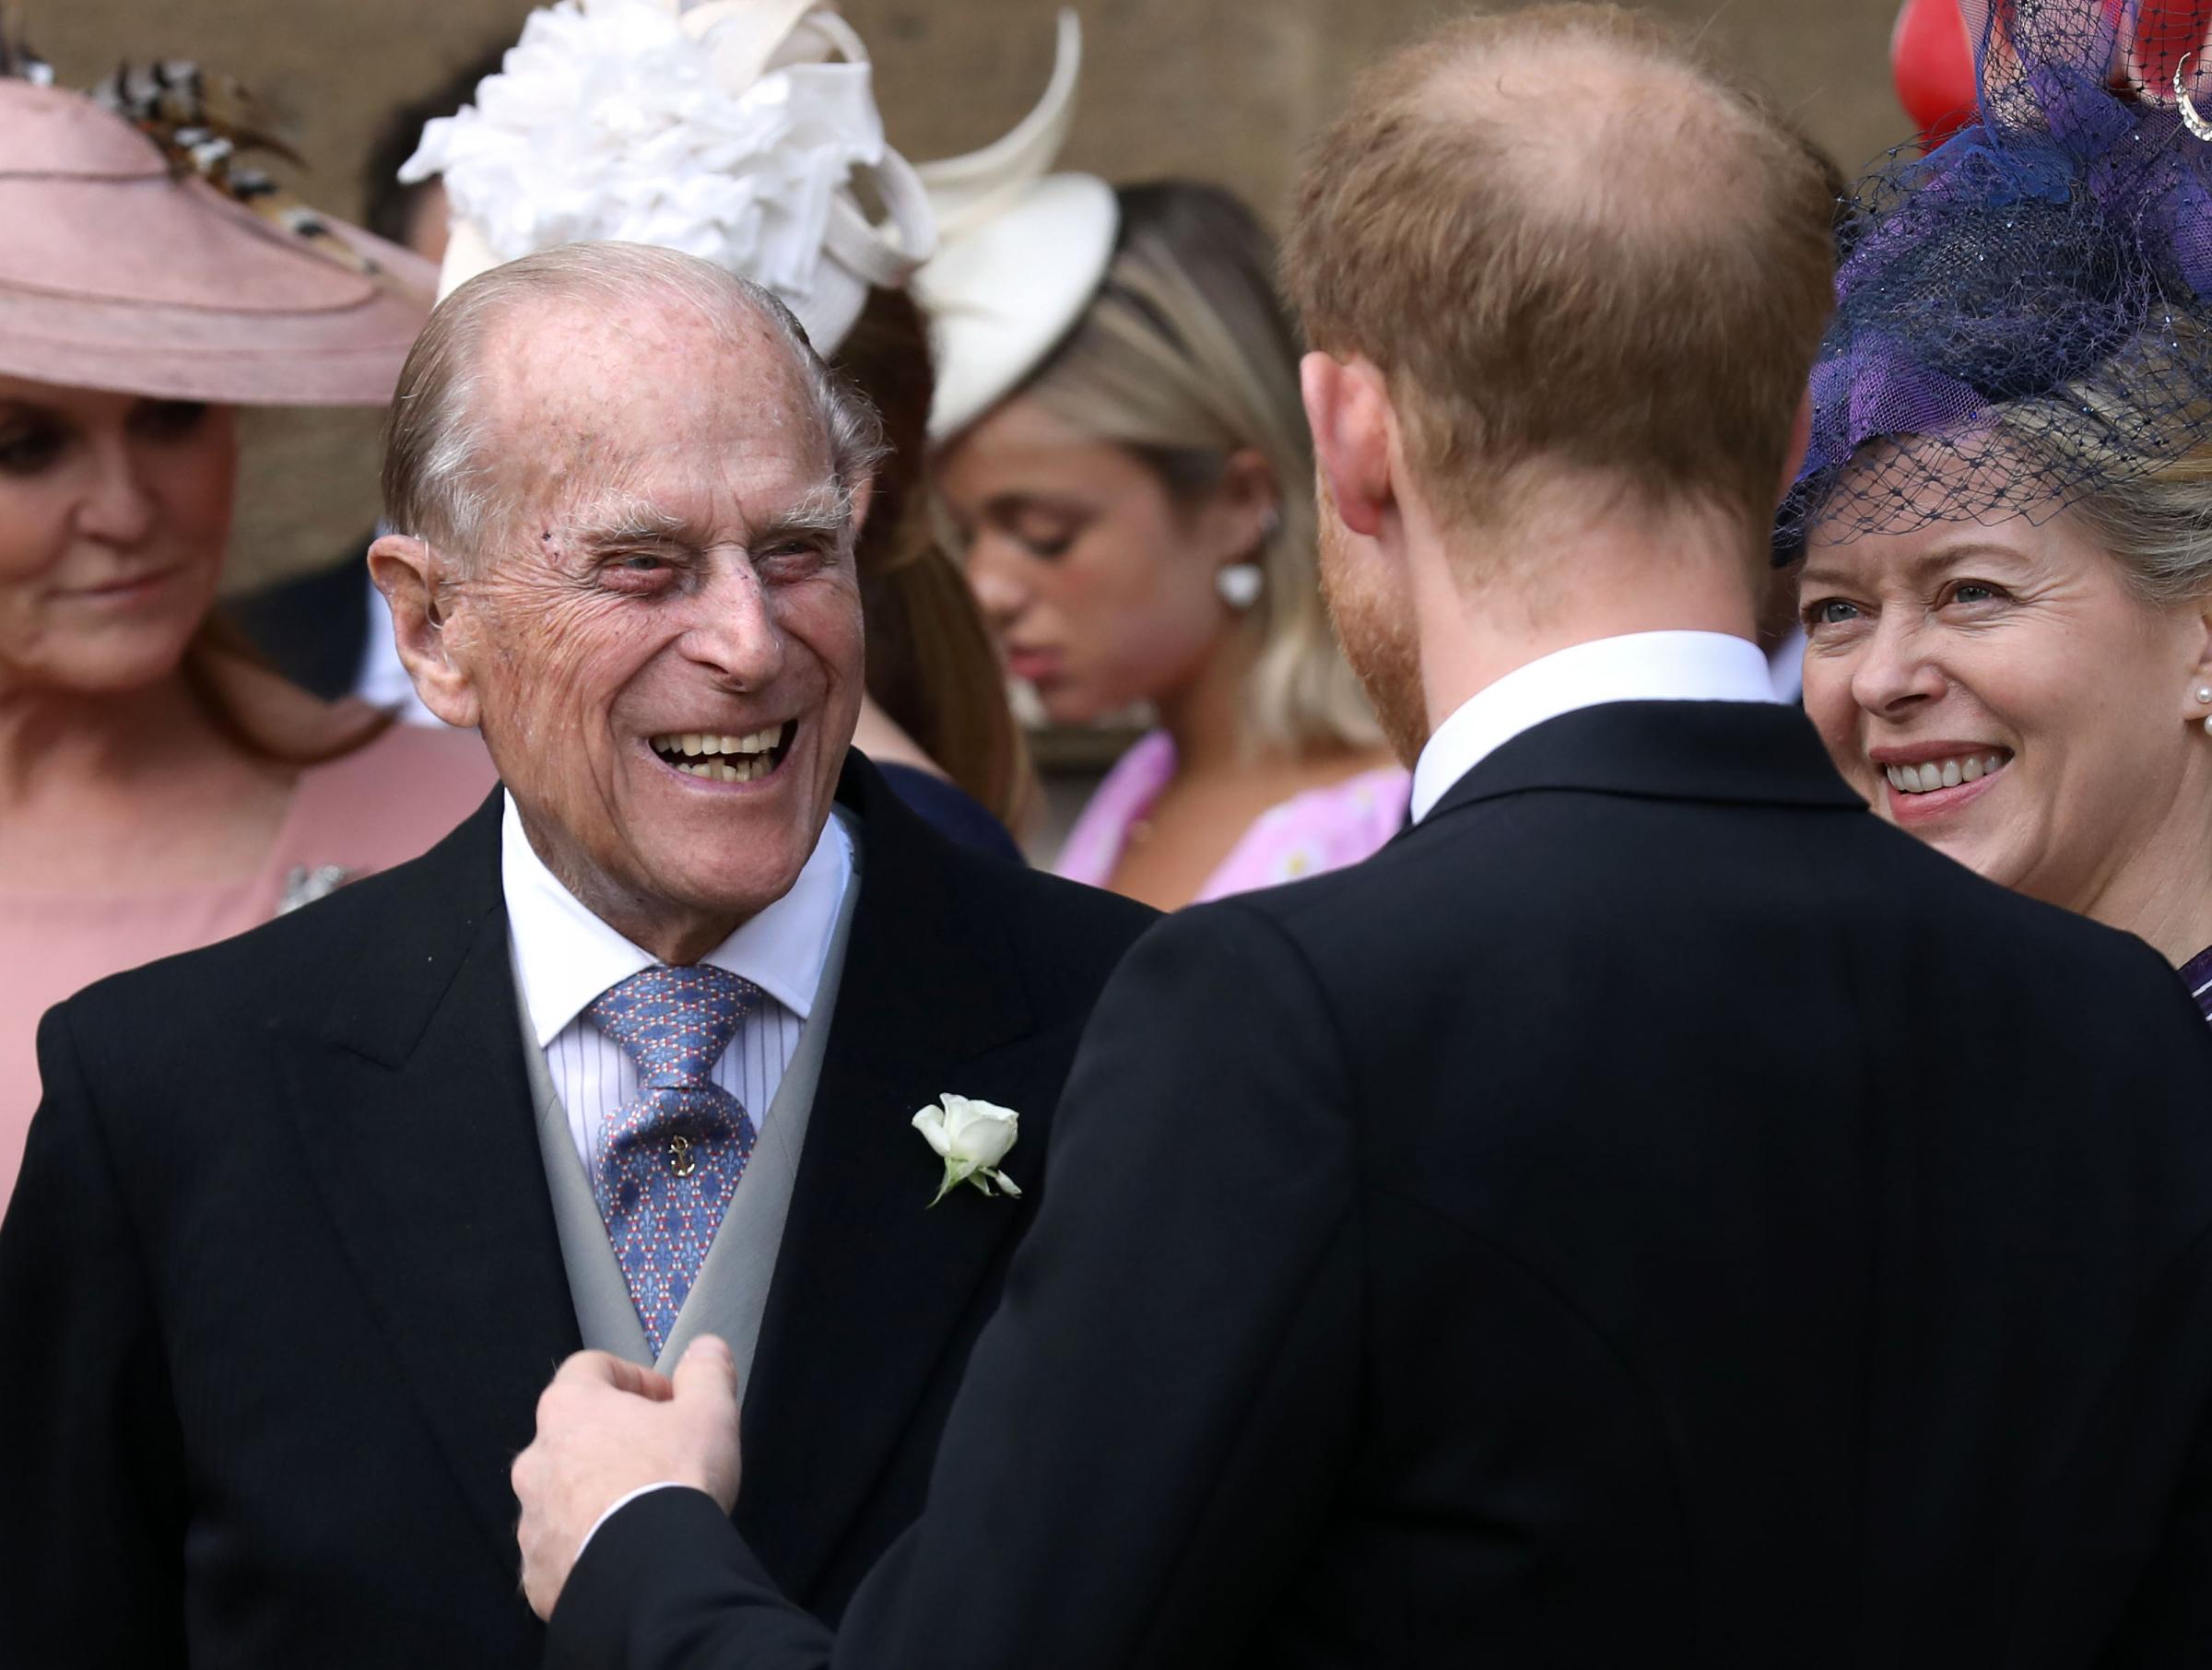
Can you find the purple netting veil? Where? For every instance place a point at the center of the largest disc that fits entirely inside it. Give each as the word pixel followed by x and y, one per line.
pixel 2024 315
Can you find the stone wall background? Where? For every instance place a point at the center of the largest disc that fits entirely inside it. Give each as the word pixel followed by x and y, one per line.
pixel 1189 87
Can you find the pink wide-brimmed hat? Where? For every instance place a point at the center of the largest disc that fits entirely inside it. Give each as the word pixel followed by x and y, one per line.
pixel 117 274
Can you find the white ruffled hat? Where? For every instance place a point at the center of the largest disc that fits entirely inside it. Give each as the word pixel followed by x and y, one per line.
pixel 1020 253
pixel 734 130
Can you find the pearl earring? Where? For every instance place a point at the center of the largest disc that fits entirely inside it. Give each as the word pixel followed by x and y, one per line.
pixel 1239 585
pixel 2204 694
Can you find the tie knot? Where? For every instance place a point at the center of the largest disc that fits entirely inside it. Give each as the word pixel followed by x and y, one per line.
pixel 674 1023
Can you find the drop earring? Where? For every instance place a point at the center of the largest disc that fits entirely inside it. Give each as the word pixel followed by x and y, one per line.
pixel 2203 694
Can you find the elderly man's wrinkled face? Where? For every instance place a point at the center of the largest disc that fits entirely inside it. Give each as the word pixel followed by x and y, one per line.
pixel 665 633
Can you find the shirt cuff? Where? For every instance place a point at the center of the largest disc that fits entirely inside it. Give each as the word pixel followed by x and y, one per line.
pixel 621 1502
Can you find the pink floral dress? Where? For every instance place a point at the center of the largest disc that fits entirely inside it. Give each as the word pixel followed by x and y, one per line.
pixel 1320 830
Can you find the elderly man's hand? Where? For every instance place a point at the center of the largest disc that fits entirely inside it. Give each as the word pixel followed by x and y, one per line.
pixel 606 1428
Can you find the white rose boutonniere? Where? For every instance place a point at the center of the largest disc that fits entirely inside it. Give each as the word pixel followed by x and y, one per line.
pixel 971 1137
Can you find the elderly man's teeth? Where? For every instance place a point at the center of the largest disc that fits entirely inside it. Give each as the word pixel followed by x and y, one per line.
pixel 714 746
pixel 1941 773
pixel 723 771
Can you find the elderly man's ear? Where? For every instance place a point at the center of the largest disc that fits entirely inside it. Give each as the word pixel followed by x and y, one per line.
pixel 417 582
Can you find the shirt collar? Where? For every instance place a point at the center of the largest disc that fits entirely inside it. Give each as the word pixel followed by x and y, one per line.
pixel 568 956
pixel 1639 666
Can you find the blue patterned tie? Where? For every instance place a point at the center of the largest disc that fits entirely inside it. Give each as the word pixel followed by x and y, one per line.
pixel 668 1162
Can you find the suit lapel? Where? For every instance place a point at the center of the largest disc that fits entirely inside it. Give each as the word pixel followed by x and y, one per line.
pixel 413 1110
pixel 870 1282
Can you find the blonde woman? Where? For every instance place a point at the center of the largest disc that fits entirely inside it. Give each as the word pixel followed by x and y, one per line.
pixel 2007 580
pixel 1136 508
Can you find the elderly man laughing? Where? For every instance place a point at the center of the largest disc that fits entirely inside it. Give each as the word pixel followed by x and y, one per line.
pixel 633 1057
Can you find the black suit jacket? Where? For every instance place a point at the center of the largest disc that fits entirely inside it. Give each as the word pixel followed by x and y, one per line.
pixel 279 1287
pixel 1651 1214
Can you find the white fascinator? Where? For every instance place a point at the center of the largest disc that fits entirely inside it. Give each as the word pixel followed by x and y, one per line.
pixel 743 132
pixel 1022 250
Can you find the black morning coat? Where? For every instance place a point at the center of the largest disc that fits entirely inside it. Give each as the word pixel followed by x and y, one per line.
pixel 280 1286
pixel 1652 1214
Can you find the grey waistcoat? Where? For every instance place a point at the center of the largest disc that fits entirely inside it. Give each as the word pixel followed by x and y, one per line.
pixel 731 1289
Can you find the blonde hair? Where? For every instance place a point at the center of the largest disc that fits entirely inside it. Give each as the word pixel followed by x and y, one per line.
pixel 1186 357
pixel 2153 514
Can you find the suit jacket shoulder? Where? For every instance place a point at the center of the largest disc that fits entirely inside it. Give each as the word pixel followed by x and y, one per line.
pixel 1068 936
pixel 1561 844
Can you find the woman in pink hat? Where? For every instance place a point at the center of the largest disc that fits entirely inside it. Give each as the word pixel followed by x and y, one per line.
pixel 158 788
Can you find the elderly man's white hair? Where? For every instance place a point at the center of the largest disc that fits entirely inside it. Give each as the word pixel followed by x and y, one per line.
pixel 435 483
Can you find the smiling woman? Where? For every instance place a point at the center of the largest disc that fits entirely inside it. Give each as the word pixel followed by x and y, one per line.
pixel 158 787
pixel 2006 510
pixel 2026 697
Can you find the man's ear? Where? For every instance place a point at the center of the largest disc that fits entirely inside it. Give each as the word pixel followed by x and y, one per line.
pixel 1347 407
pixel 408 572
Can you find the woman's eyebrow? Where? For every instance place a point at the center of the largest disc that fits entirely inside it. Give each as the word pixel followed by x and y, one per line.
pixel 1921 568
pixel 1951 556
pixel 1016 504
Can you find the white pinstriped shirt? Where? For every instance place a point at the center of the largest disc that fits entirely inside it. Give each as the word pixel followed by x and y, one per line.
pixel 567 957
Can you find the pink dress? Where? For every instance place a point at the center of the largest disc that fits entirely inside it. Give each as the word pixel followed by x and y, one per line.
pixel 1322 828
pixel 388 802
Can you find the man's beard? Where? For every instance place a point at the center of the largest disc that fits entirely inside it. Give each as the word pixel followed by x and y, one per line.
pixel 1377 633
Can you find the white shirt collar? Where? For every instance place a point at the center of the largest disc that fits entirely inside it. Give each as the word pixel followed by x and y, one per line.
pixel 1640 666
pixel 568 956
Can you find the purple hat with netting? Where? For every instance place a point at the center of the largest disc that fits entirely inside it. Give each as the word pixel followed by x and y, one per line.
pixel 2024 315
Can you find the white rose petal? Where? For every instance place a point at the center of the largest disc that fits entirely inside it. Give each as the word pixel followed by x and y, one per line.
pixel 930 1121
pixel 980 1131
